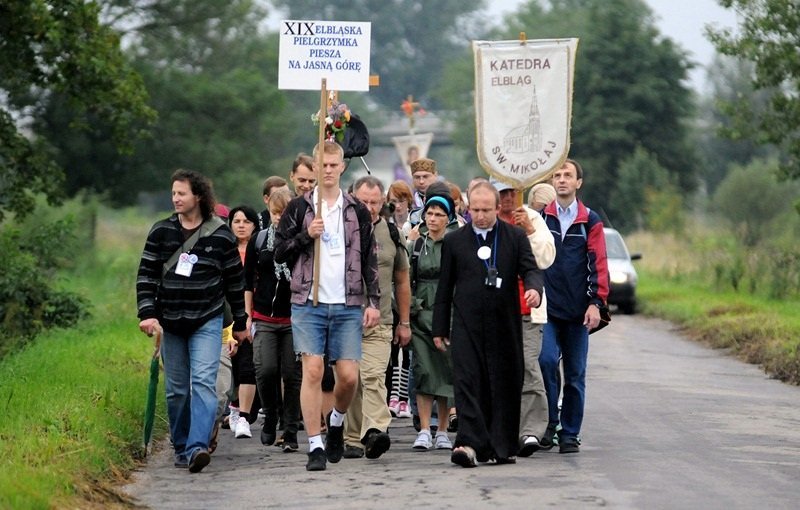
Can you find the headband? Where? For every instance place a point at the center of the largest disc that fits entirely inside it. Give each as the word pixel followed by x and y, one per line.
pixel 440 201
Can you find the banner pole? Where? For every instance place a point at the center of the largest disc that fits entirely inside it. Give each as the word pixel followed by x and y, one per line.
pixel 323 114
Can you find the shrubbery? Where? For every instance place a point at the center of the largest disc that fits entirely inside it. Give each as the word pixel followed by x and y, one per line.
pixel 33 251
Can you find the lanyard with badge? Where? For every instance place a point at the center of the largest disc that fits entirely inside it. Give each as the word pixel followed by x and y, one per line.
pixel 485 253
pixel 333 241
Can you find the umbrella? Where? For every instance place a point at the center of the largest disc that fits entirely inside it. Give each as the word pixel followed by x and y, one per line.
pixel 152 390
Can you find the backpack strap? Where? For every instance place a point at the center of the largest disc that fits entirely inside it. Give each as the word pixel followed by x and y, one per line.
pixel 261 239
pixel 207 228
pixel 394 233
pixel 418 244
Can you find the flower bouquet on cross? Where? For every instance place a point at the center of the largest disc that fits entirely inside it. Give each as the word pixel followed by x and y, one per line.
pixel 336 121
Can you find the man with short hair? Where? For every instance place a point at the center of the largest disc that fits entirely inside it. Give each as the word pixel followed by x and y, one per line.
pixel 190 265
pixel 423 174
pixel 577 287
pixel 368 420
pixel 476 312
pixel 347 263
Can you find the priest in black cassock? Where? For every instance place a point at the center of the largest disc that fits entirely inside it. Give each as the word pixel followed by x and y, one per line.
pixel 478 292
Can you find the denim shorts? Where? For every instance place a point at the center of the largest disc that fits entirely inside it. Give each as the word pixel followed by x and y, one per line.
pixel 334 330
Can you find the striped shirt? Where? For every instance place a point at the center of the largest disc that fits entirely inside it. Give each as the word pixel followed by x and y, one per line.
pixel 181 303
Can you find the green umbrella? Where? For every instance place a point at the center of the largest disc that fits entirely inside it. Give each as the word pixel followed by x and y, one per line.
pixel 152 390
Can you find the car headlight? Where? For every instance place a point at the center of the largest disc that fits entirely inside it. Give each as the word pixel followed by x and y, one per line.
pixel 619 277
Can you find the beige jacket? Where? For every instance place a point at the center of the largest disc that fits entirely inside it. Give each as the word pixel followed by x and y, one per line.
pixel 544 250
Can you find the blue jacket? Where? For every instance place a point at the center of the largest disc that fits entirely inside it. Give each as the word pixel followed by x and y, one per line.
pixel 579 275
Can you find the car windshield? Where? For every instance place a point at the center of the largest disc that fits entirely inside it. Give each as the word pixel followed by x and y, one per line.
pixel 615 248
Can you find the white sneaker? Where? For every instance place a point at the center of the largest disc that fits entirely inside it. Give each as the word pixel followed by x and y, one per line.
pixel 233 417
pixel 443 442
pixel 423 441
pixel 242 428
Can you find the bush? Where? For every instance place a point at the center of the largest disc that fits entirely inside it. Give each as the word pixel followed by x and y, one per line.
pixel 29 298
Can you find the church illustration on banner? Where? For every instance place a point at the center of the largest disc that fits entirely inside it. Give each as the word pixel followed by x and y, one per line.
pixel 527 137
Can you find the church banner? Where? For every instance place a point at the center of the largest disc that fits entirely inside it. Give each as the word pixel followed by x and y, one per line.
pixel 523 107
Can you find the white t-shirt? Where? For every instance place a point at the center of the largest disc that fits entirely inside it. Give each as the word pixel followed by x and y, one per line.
pixel 332 260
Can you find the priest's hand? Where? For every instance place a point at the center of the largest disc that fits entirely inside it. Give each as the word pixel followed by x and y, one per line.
pixel 441 342
pixel 533 298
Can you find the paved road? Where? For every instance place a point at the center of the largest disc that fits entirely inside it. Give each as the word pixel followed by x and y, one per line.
pixel 669 424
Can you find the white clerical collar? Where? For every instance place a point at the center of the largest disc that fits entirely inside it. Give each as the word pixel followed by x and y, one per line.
pixel 483 232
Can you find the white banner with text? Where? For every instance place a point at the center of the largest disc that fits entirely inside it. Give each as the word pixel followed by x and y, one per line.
pixel 335 50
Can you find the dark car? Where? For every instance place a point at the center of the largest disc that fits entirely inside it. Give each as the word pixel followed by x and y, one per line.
pixel 622 274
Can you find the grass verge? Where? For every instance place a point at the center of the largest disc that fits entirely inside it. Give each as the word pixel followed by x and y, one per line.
pixel 73 399
pixel 759 330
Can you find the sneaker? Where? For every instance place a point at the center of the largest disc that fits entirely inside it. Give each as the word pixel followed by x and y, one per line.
pixel 268 432
pixel 180 461
pixel 394 406
pixel 316 460
pixel 443 442
pixel 353 452
pixel 528 445
pixel 549 439
pixel 334 441
pixel 423 441
pixel 233 417
pixel 289 443
pixel 242 428
pixel 200 459
pixel 377 444
pixel 569 445
pixel 452 423
pixel 212 443
pixel 505 460
pixel 403 411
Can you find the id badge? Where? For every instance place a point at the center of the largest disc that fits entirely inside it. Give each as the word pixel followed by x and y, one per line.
pixel 336 245
pixel 185 264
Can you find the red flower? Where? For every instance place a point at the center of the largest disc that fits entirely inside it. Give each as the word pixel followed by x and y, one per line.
pixel 338 124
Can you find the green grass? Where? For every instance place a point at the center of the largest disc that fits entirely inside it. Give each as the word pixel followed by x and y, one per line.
pixel 73 399
pixel 757 329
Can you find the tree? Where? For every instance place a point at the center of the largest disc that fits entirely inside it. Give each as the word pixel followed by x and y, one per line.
pixel 641 185
pixel 720 144
pixel 768 36
pixel 58 47
pixel 751 197
pixel 412 41
pixel 211 75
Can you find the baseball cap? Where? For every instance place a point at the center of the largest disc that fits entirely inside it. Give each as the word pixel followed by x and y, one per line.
pixel 499 186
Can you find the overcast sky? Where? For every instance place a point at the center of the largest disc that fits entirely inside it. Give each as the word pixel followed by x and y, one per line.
pixel 683 21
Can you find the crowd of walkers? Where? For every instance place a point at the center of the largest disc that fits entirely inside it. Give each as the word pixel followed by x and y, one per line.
pixel 334 311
